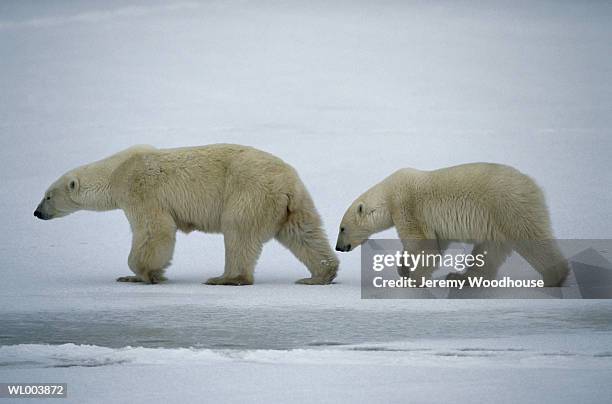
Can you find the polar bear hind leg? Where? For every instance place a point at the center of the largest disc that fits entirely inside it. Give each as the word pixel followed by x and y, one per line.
pixel 303 235
pixel 544 256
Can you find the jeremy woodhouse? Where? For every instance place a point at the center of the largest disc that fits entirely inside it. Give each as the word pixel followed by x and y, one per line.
pixel 472 282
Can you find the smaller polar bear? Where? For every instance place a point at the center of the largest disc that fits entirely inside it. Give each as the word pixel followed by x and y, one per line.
pixel 495 206
pixel 246 194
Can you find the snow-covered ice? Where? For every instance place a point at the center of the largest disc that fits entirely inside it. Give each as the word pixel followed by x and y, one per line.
pixel 509 369
pixel 346 92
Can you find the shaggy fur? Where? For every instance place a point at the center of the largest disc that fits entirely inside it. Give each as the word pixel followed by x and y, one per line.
pixel 247 195
pixel 494 205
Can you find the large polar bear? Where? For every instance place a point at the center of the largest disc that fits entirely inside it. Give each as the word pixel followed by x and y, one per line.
pixel 495 205
pixel 248 195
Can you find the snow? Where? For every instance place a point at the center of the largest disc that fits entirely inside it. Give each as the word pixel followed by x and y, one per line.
pixel 467 370
pixel 346 92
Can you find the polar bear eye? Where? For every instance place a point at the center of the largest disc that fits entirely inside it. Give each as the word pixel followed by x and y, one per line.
pixel 342 230
pixel 48 198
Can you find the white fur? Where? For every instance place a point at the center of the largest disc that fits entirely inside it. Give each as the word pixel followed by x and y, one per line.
pixel 494 205
pixel 247 195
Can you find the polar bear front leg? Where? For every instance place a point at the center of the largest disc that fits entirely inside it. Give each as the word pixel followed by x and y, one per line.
pixel 495 254
pixel 415 242
pixel 424 269
pixel 153 240
pixel 241 254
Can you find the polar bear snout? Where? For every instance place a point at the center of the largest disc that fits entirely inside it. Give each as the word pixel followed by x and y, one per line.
pixel 342 248
pixel 42 212
pixel 342 244
pixel 39 214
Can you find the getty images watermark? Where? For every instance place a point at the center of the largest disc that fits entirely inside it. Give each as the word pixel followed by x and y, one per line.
pixel 568 269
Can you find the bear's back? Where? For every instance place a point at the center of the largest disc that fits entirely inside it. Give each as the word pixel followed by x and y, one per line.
pixel 482 201
pixel 196 184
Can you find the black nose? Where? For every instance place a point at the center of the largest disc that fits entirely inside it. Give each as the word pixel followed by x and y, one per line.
pixel 343 249
pixel 37 214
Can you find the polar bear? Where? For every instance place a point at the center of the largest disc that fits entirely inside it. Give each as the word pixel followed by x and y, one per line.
pixel 246 194
pixel 495 206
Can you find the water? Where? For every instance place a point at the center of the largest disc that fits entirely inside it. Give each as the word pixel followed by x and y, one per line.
pixel 242 328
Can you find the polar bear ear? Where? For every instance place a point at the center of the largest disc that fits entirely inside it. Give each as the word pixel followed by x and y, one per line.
pixel 361 208
pixel 73 184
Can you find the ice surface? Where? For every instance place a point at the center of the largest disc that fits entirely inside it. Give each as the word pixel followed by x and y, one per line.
pixel 346 92
pixel 529 369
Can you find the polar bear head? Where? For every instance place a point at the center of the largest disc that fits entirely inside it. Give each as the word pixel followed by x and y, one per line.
pixel 85 188
pixel 355 228
pixel 367 215
pixel 61 198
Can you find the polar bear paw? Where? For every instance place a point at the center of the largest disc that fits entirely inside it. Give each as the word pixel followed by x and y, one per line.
pixel 131 278
pixel 156 277
pixel 457 276
pixel 230 281
pixel 152 277
pixel 314 281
